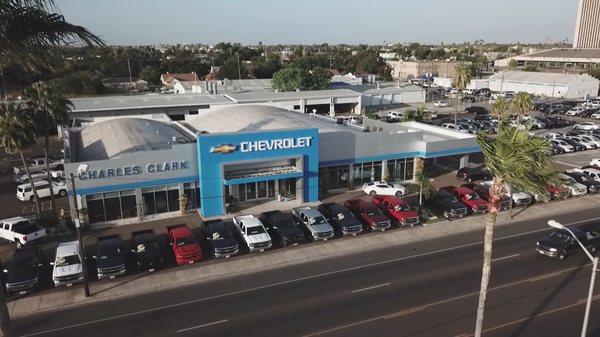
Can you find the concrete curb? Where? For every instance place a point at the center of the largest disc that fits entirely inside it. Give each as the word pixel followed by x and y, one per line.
pixel 254 263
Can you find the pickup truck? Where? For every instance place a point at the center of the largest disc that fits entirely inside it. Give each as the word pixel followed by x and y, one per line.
pixel 39 163
pixel 468 197
pixel 398 209
pixel 315 223
pixel 484 192
pixel 370 214
pixel 221 239
pixel 24 271
pixel 253 232
pixel 341 218
pixel 21 231
pixel 183 244
pixel 68 267
pixel 23 178
pixel 560 242
pixel 146 250
pixel 446 204
pixel 284 227
pixel 109 258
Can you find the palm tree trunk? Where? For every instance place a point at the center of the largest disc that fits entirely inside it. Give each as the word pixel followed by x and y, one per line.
pixel 456 113
pixel 33 188
pixel 490 222
pixel 46 146
pixel 510 207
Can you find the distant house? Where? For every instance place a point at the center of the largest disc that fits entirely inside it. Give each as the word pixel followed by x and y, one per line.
pixel 168 79
pixel 125 84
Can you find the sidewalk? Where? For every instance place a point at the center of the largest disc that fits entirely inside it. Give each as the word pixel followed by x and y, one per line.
pixel 57 299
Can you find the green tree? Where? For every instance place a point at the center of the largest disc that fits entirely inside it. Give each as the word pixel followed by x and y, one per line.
pixel 530 67
pixel 522 162
pixel 230 70
pixel 512 64
pixel 30 29
pixel 150 75
pixel 521 104
pixel 462 78
pixel 51 109
pixel 290 79
pixel 421 178
pixel 320 78
pixel 500 108
pixel 417 115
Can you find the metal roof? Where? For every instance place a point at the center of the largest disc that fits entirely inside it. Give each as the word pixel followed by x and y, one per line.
pixel 538 77
pixel 254 97
pixel 565 53
pixel 145 101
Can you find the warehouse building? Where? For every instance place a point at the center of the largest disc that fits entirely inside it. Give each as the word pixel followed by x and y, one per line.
pixel 545 84
pixel 131 168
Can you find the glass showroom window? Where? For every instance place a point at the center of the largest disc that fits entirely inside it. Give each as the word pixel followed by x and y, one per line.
pixel 366 172
pixel 334 177
pixel 111 206
pixel 192 192
pixel 400 169
pixel 160 199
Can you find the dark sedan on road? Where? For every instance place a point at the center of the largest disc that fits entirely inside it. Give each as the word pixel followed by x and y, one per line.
pixel 221 240
pixel 24 270
pixel 471 174
pixel 284 227
pixel 560 242
pixel 147 251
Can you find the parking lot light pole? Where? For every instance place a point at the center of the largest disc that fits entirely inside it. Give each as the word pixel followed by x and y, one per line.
pixel 588 305
pixel 75 217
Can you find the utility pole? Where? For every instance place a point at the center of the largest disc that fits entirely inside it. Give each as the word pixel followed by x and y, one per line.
pixel 130 78
pixel 75 217
pixel 239 69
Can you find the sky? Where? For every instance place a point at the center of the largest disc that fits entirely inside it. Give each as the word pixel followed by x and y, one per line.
pixel 137 22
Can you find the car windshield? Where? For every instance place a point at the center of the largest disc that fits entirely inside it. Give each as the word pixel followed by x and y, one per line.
pixel 345 215
pixel 401 208
pixel 472 196
pixel 255 230
pixel 22 263
pixel 67 260
pixel 184 241
pixel 560 235
pixel 284 223
pixel 318 220
pixel 372 211
pixel 449 198
pixel 108 252
pixel 147 246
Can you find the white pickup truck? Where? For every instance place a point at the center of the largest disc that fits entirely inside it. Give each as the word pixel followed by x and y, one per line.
pixel 39 163
pixel 253 232
pixel 21 231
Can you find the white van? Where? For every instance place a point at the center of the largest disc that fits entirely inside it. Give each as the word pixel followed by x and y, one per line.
pixel 25 193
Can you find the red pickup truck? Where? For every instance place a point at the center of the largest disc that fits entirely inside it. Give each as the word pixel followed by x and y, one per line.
pixel 184 245
pixel 369 214
pixel 467 196
pixel 398 209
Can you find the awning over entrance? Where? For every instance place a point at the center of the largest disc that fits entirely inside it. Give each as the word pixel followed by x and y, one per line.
pixel 262 174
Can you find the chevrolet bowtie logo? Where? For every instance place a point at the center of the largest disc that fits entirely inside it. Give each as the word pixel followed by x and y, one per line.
pixel 224 148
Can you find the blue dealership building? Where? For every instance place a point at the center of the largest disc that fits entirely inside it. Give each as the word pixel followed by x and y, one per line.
pixel 131 168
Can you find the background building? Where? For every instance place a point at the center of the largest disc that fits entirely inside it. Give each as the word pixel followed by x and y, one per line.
pixel 587 26
pixel 546 84
pixel 412 69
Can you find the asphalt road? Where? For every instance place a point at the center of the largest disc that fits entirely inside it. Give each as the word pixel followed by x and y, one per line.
pixel 424 289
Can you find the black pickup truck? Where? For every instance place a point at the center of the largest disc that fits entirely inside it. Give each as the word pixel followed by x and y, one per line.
pixel 560 242
pixel 447 205
pixel 341 218
pixel 284 227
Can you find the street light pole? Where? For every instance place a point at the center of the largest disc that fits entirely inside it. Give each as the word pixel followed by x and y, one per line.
pixel 75 217
pixel 588 305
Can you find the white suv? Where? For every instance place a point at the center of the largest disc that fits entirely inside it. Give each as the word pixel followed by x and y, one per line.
pixel 67 264
pixel 25 192
pixel 396 115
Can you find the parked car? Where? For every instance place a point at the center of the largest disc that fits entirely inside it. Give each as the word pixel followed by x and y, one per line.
pixel 440 104
pixel 575 144
pixel 253 232
pixel 477 110
pixel 468 197
pixel 146 250
pixel 39 163
pixel 457 128
pixel 549 122
pixel 183 244
pixel 560 242
pixel 595 115
pixel 446 204
pixel 566 147
pixel 37 175
pixel 572 187
pixel 221 240
pixel 68 267
pixel 370 214
pixel 471 174
pixel 595 162
pixel 110 260
pixel 583 141
pixel 484 192
pixel 593 186
pixel 341 218
pixel 24 271
pixel 396 115
pixel 25 192
pixel 384 188
pixel 397 209
pixel 590 172
pixel 468 99
pixel 284 227
pixel 575 111
pixel 314 222
pixel 586 126
pixel 21 231
pixel 519 198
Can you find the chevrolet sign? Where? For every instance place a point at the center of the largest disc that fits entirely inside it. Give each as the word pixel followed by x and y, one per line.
pixel 275 144
pixel 223 148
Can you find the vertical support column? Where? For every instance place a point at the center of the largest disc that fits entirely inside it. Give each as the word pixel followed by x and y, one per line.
pixel 332 107
pixel 384 171
pixel 464 160
pixel 139 203
pixel 350 177
pixel 303 105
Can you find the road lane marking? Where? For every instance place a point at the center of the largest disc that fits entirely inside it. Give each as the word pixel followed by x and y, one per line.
pixel 369 288
pixel 310 277
pixel 546 276
pixel 202 325
pixel 405 312
pixel 505 257
pixel 545 313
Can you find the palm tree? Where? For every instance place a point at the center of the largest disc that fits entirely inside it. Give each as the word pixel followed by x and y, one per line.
pixel 512 64
pixel 462 78
pixel 30 29
pixel 522 104
pixel 418 115
pixel 422 179
pixel 17 132
pixel 500 108
pixel 51 109
pixel 522 162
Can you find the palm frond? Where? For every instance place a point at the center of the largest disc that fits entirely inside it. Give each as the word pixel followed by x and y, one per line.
pixel 17 129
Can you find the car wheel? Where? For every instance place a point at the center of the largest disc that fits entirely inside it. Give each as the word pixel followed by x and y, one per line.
pixel 470 179
pixel 373 193
pixel 62 193
pixel 19 245
pixel 398 194
pixel 562 255
pixel 446 214
pixel 592 249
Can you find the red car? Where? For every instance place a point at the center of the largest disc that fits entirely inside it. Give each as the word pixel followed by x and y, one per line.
pixel 369 214
pixel 468 197
pixel 184 245
pixel 398 209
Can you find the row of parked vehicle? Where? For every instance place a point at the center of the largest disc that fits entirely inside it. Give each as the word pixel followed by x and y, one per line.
pixel 39 178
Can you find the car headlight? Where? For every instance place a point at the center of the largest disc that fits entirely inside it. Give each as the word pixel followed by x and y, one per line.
pixel 537 243
pixel 552 249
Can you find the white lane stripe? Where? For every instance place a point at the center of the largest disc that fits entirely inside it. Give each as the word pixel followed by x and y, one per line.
pixel 369 288
pixel 505 257
pixel 334 272
pixel 202 326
